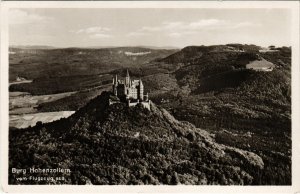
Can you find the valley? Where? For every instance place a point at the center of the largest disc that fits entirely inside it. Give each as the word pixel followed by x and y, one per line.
pixel 23 112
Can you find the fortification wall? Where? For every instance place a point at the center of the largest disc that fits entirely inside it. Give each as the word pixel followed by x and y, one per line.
pixel 145 104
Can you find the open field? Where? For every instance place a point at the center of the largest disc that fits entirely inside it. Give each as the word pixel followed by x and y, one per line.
pixel 27 120
pixel 20 82
pixel 23 102
pixel 23 112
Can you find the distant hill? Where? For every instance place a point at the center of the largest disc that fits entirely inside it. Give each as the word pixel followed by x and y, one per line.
pixel 78 68
pixel 115 144
pixel 160 47
pixel 192 53
pixel 194 65
pixel 38 63
pixel 35 47
pixel 140 46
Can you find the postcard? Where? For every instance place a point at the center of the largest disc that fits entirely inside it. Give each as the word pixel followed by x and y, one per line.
pixel 150 96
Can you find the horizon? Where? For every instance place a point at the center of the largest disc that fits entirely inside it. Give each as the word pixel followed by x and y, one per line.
pixel 141 46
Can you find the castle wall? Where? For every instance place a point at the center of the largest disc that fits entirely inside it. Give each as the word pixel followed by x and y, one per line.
pixel 141 92
pixel 145 104
pixel 133 93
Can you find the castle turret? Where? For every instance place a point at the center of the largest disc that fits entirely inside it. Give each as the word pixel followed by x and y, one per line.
pixel 127 79
pixel 115 85
pixel 146 97
pixel 141 91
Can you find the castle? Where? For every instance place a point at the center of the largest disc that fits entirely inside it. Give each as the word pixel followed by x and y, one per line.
pixel 130 91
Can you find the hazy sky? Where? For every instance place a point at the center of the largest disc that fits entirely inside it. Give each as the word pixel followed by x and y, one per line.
pixel 149 27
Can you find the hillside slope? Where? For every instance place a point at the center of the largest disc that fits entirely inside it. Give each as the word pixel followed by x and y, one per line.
pixel 115 144
pixel 244 108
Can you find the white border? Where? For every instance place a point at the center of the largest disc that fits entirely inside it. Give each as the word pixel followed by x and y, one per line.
pixel 293 6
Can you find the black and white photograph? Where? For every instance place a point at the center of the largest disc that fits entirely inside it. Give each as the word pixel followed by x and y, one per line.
pixel 150 96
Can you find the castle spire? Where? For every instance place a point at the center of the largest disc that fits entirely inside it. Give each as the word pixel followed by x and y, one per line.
pixel 115 84
pixel 141 90
pixel 114 79
pixel 141 83
pixel 127 79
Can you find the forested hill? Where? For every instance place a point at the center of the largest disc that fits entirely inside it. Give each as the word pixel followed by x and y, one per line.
pixel 244 108
pixel 33 63
pixel 115 144
pixel 224 64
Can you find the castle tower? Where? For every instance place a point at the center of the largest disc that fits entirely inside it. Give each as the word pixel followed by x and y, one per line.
pixel 127 79
pixel 115 80
pixel 115 85
pixel 141 92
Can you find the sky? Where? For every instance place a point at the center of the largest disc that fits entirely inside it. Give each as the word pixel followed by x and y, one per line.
pixel 176 27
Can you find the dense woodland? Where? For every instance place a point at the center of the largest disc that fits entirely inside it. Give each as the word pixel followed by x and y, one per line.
pixel 244 108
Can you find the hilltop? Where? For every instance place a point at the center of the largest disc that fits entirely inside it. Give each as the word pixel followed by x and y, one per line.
pixel 115 144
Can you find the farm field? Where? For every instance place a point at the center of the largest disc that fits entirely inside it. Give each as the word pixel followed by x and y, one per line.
pixel 27 120
pixel 23 111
